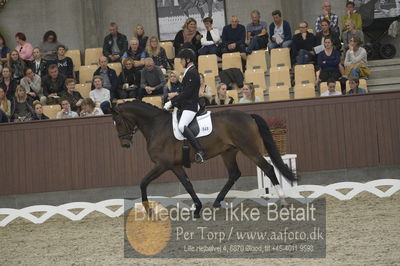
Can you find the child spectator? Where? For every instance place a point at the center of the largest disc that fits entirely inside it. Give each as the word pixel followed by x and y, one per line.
pixel 89 108
pixel 66 111
pixel 100 95
pixel 210 38
pixel 38 112
pixel 64 63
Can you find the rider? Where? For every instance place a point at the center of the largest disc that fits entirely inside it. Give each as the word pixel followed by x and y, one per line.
pixel 188 100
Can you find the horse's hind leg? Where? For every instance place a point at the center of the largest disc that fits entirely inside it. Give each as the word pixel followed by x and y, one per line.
pixel 181 174
pixel 153 174
pixel 229 158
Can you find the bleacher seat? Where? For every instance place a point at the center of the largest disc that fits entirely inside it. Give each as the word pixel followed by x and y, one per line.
pixel 279 93
pixel 84 89
pixel 280 57
pixel 257 77
pixel 259 92
pixel 116 66
pixel 232 60
pixel 209 80
pixel 86 73
pixel 154 100
pixel 234 95
pixel 280 76
pixel 178 67
pixel 257 60
pixel 75 55
pixel 323 87
pixel 304 91
pixel 208 64
pixel 169 49
pixel 92 56
pixel 363 85
pixel 304 74
pixel 51 110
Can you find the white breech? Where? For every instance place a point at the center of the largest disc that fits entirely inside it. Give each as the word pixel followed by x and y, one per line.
pixel 186 118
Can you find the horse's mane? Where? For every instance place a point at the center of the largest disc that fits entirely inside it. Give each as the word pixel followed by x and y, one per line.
pixel 150 107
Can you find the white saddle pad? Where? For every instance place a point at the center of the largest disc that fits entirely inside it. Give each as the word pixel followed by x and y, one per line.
pixel 204 121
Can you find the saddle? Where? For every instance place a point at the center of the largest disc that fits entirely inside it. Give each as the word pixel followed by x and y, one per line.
pixel 201 125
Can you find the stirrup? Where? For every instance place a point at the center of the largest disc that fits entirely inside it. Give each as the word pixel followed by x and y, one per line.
pixel 198 157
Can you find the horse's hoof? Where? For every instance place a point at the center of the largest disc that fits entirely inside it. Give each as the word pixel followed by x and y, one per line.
pixel 217 204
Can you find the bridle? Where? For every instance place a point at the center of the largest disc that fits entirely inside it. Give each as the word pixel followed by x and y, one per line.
pixel 128 125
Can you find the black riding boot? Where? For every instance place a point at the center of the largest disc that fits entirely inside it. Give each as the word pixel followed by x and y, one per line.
pixel 187 133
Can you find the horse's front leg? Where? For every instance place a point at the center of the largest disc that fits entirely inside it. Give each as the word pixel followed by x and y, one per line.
pixel 181 174
pixel 153 174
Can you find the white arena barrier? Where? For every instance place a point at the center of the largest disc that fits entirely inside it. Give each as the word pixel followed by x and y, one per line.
pixel 239 196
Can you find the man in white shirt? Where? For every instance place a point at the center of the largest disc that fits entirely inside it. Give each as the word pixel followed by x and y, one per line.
pixel 210 38
pixel 331 89
pixel 100 95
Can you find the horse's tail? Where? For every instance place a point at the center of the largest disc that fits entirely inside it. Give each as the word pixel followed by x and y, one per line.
pixel 271 147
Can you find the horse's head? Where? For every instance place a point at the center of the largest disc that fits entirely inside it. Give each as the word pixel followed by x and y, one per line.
pixel 125 128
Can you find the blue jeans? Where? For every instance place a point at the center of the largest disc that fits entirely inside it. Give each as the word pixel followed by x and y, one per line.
pixel 303 57
pixel 241 48
pixel 105 107
pixel 209 49
pixel 355 72
pixel 257 43
pixel 285 44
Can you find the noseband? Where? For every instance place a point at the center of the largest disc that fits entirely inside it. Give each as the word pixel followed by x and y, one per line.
pixel 128 126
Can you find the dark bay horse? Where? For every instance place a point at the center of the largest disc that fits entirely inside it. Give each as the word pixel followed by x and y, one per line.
pixel 233 131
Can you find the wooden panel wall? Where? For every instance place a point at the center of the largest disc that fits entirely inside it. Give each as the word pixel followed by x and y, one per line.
pixel 325 133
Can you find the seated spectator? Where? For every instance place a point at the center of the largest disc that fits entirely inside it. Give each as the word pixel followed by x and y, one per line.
pixel 66 111
pixel 136 53
pixel 21 109
pixel 32 84
pixel 234 37
pixel 328 61
pixel 210 39
pixel 188 37
pixel 221 97
pixel 115 44
pixel 152 81
pixel 38 65
pixel 280 32
pixel 5 104
pixel 140 35
pixel 100 95
pixel 351 16
pixel 257 33
pixel 333 19
pixel 249 94
pixel 303 45
pixel 38 112
pixel 351 32
pixel 155 51
pixel 89 108
pixel 174 86
pixel 109 76
pixel 327 32
pixel 74 97
pixel 64 63
pixel 356 60
pixel 53 85
pixel 354 89
pixel 8 83
pixel 24 48
pixel 49 46
pixel 16 65
pixel 205 91
pixel 128 80
pixel 4 51
pixel 331 89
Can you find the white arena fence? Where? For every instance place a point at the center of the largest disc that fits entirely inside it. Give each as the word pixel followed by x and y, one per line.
pixel 86 208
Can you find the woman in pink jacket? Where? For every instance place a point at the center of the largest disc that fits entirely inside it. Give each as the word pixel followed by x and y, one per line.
pixel 24 48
